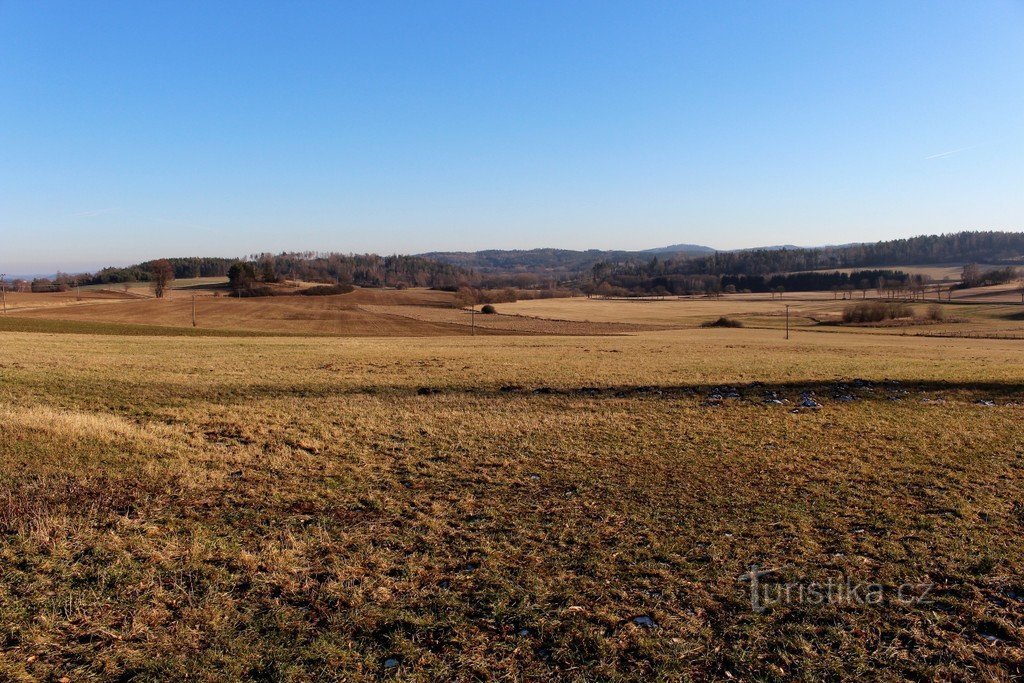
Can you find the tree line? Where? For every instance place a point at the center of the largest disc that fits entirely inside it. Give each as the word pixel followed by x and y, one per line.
pixel 794 269
pixel 365 270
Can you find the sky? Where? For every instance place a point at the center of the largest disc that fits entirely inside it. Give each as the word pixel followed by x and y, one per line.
pixel 136 130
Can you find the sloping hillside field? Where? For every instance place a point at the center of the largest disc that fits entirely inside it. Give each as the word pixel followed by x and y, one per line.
pixel 667 502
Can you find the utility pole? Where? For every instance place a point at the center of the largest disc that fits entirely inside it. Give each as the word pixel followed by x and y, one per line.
pixel 472 316
pixel 787 321
pixel 3 290
pixel 193 310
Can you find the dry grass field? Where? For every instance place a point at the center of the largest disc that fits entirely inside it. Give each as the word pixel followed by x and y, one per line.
pixel 510 506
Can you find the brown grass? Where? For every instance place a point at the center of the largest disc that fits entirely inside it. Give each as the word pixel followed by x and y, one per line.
pixel 508 507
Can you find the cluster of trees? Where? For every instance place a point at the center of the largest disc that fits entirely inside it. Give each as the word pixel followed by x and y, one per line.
pixel 182 268
pixel 634 283
pixel 876 311
pixel 365 270
pixel 836 281
pixel 248 279
pixel 973 276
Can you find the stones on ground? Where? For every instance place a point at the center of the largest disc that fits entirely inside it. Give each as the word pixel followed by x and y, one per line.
pixel 523 633
pixel 993 633
pixel 985 402
pixel 392 663
pixel 644 621
pixel 809 402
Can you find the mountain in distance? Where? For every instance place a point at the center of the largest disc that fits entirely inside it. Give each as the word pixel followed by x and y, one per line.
pixel 681 248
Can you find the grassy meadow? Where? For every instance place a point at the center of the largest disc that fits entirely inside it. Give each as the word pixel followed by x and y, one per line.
pixel 521 505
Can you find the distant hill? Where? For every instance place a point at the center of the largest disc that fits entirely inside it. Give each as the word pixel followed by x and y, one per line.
pixel 552 262
pixel 680 248
pixel 676 274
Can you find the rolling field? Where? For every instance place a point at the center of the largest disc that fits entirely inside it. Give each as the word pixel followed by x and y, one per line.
pixel 522 507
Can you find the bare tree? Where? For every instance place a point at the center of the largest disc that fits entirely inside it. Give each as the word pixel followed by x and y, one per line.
pixel 971 275
pixel 163 274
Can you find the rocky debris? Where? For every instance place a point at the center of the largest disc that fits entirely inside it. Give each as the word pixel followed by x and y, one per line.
pixel 726 391
pixel 644 621
pixel 392 663
pixel 807 400
pixel 985 402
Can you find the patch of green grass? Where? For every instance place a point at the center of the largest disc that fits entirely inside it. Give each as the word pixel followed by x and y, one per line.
pixel 16 324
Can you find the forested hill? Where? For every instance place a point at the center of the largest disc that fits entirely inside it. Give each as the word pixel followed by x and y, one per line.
pixel 366 270
pixel 446 269
pixel 988 247
pixel 961 247
pixel 552 262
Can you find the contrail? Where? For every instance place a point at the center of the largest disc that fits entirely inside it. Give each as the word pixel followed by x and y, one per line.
pixel 95 212
pixel 949 153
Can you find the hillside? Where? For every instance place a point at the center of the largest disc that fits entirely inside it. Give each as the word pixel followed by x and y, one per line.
pixel 550 261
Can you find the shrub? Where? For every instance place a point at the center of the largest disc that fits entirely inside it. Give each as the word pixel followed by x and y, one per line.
pixel 256 291
pixel 722 322
pixel 936 312
pixel 327 290
pixel 488 309
pixel 876 312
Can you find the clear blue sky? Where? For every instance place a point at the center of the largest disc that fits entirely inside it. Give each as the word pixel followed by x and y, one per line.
pixel 133 130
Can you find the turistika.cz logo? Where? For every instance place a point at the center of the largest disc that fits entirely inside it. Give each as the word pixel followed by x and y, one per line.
pixel 766 593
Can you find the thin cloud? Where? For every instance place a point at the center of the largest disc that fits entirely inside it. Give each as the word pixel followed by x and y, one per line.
pixel 94 212
pixel 942 155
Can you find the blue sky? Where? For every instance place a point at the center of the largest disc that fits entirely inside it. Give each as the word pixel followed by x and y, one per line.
pixel 134 130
